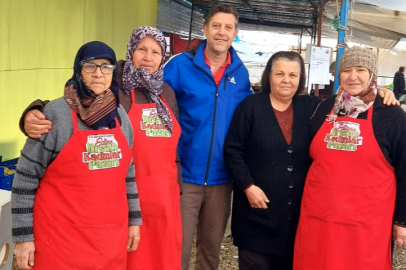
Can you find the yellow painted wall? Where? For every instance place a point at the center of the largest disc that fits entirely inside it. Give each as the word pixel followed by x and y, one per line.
pixel 38 43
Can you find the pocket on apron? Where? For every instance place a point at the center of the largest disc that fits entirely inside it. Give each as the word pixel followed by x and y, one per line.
pixel 88 247
pixel 158 195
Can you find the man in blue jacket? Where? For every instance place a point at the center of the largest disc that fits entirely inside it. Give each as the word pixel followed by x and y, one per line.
pixel 209 83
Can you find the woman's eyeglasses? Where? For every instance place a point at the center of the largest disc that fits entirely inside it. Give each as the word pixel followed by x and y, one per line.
pixel 105 69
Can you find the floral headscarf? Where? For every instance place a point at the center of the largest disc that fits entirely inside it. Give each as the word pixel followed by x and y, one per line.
pixel 150 84
pixel 97 111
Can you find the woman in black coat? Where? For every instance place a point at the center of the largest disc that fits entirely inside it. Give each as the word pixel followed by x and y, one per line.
pixel 267 153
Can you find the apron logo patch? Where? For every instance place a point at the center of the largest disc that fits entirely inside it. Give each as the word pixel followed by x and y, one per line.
pixel 344 136
pixel 102 152
pixel 153 125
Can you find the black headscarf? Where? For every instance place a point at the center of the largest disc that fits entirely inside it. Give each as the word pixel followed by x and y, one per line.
pixel 97 111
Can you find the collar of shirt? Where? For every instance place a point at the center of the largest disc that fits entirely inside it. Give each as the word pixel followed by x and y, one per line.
pixel 221 70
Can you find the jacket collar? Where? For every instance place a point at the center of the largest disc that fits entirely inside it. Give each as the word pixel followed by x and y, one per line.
pixel 198 58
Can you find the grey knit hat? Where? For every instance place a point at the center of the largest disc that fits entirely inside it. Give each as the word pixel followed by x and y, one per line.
pixel 359 57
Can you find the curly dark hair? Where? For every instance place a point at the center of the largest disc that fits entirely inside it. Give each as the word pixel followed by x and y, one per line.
pixel 283 55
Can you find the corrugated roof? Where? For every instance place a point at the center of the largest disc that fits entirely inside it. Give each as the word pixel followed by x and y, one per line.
pixel 368 23
pixel 282 13
pixel 174 17
pixel 261 15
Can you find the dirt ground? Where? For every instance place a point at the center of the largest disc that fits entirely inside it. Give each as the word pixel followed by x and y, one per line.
pixel 228 255
pixel 399 259
pixel 229 258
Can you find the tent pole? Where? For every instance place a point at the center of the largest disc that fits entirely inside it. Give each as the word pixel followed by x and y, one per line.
pixel 314 32
pixel 300 41
pixel 341 37
pixel 190 27
pixel 319 24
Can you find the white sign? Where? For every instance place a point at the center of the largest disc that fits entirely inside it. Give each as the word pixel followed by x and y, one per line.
pixel 319 65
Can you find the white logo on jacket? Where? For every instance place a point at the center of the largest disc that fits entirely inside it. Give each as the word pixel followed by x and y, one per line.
pixel 232 80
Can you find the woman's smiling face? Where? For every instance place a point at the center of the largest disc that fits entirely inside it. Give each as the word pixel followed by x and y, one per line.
pixel 354 80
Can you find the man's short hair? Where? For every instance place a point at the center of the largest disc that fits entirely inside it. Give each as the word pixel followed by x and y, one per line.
pixel 401 69
pixel 223 9
pixel 332 68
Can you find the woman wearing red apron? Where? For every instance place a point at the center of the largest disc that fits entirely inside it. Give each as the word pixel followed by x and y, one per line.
pixel 356 187
pixel 74 196
pixel 153 116
pixel 156 135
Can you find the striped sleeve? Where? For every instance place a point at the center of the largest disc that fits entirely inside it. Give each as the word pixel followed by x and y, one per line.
pixel 134 212
pixel 35 157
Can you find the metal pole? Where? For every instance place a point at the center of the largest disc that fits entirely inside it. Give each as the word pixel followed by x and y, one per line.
pixel 319 24
pixel 300 41
pixel 341 37
pixel 190 27
pixel 171 47
pixel 314 32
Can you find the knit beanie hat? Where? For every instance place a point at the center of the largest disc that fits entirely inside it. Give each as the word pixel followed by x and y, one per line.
pixel 345 103
pixel 359 57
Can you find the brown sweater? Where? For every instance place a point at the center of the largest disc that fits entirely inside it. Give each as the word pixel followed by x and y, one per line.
pixel 125 101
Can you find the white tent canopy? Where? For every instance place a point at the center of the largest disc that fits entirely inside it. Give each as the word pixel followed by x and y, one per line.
pixel 399 5
pixel 377 23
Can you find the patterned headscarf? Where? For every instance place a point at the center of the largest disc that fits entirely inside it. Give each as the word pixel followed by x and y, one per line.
pixel 150 84
pixel 352 106
pixel 98 111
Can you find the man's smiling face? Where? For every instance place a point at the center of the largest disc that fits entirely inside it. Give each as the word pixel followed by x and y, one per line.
pixel 220 32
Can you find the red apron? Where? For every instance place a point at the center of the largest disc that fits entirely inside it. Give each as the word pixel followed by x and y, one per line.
pixel 348 201
pixel 81 209
pixel 154 159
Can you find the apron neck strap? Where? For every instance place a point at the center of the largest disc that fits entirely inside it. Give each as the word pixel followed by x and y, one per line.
pixel 132 96
pixel 370 112
pixel 74 120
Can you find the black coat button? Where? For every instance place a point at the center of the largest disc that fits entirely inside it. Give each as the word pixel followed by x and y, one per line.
pixel 290 201
pixel 290 168
pixel 291 185
pixel 290 150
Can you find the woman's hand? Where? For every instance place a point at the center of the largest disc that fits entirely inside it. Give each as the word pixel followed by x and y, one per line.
pixel 133 238
pixel 256 197
pixel 35 124
pixel 25 254
pixel 399 235
pixel 388 96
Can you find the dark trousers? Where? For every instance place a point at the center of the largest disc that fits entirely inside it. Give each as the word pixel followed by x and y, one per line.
pixel 250 260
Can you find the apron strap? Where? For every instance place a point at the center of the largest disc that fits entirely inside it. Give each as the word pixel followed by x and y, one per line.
pixel 117 123
pixel 132 97
pixel 370 112
pixel 74 121
pixel 160 95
